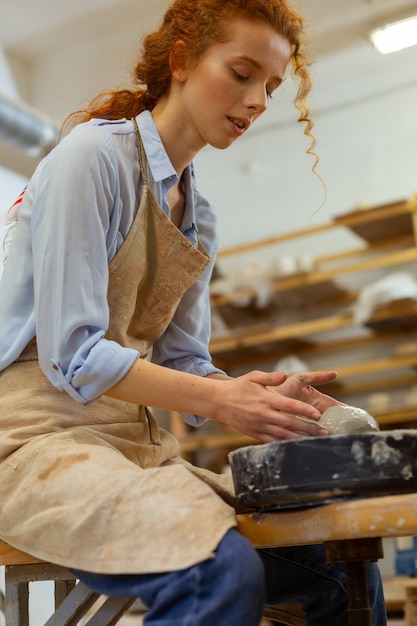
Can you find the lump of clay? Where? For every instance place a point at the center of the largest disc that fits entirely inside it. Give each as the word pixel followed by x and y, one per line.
pixel 344 419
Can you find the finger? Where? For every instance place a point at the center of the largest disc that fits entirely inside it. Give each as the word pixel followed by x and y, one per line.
pixel 316 378
pixel 296 431
pixel 283 405
pixel 285 426
pixel 266 379
pixel 302 426
pixel 268 433
pixel 309 428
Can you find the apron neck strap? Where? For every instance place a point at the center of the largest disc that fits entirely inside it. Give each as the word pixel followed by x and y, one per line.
pixel 141 153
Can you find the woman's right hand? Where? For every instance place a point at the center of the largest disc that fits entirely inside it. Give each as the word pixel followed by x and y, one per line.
pixel 254 405
pixel 265 406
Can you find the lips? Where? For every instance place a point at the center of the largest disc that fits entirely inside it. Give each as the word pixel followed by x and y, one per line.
pixel 238 125
pixel 239 122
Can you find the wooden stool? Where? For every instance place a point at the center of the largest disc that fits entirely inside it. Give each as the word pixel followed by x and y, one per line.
pixel 74 600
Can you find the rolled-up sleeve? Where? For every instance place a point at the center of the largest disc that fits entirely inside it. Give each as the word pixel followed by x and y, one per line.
pixel 71 212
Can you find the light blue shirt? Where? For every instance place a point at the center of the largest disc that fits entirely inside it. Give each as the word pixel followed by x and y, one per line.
pixel 75 214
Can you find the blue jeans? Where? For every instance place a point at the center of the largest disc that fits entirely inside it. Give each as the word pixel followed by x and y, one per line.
pixel 233 588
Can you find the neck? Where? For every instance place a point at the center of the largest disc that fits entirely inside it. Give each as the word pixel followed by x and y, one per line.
pixel 175 134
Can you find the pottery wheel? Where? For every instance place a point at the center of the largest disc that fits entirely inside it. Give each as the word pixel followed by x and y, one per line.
pixel 313 470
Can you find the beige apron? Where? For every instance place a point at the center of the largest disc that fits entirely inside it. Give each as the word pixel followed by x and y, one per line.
pixel 102 488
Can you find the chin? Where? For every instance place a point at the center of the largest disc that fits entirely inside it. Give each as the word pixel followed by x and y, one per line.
pixel 222 144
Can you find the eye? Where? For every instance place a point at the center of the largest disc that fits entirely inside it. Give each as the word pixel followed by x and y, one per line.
pixel 239 76
pixel 271 88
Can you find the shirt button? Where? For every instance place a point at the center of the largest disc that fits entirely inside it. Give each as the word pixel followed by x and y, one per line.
pixel 55 367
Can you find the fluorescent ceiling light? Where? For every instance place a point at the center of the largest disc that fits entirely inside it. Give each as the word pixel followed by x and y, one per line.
pixel 395 36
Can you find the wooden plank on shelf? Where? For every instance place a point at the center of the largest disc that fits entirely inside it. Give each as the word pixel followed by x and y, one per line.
pixel 281 333
pixel 325 277
pixel 353 218
pixel 299 289
pixel 381 222
pixel 396 317
pixel 378 365
pixel 403 241
pixel 291 303
pixel 305 295
pixel 277 239
pixel 382 230
pixel 400 314
pixel 265 351
pixel 353 339
pixel 340 388
pixel 397 257
pixel 365 368
pixel 395 416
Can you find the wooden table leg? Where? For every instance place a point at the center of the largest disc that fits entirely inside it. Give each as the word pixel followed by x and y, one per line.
pixel 354 553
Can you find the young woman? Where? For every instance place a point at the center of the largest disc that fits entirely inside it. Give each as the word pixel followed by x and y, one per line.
pixel 104 311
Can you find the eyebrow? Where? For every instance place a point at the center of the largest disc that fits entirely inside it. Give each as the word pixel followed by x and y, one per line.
pixel 278 79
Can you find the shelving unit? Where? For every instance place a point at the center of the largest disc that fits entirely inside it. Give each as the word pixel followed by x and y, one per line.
pixel 312 314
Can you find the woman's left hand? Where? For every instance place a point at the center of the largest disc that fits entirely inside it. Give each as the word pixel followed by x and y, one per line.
pixel 301 386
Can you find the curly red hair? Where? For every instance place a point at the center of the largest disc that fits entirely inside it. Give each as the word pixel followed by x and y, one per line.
pixel 199 23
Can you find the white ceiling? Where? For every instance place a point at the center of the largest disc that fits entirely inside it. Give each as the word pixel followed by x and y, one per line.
pixel 30 28
pixel 51 33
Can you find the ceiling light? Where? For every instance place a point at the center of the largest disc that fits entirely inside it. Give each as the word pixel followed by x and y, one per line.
pixel 395 36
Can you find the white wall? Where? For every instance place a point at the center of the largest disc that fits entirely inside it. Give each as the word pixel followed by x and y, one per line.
pixel 364 109
pixel 365 123
pixel 366 126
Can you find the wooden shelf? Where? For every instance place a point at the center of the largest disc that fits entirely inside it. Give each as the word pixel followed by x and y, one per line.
pixel 387 226
pixel 387 364
pixel 272 342
pixel 400 315
pixel 312 315
pixel 400 415
pixel 382 222
pixel 320 286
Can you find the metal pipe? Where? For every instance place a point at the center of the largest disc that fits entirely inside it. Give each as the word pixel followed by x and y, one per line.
pixel 26 128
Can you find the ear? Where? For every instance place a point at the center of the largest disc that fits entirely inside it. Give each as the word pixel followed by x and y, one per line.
pixel 179 61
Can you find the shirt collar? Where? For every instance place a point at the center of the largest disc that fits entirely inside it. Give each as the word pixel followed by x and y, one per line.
pixel 161 167
pixel 158 160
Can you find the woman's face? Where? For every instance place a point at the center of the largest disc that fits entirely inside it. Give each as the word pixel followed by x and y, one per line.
pixel 228 88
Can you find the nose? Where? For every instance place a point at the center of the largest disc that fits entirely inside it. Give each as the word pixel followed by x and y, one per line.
pixel 257 100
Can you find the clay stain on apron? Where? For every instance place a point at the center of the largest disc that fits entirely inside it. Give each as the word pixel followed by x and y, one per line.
pixel 62 465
